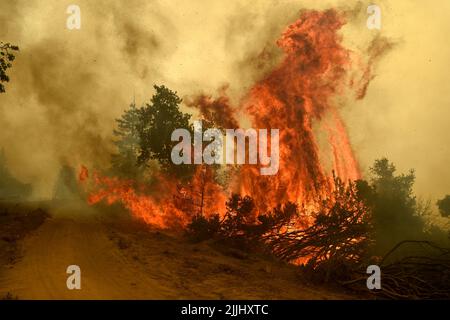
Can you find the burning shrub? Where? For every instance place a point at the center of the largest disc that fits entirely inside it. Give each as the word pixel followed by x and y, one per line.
pixel 202 228
pixel 241 226
pixel 279 220
pixel 337 241
pixel 237 225
pixel 239 217
pixel 338 236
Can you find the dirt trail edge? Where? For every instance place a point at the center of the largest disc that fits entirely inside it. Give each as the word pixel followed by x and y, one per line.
pixel 74 238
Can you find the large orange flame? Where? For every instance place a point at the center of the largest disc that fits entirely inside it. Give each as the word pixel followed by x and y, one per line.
pixel 296 95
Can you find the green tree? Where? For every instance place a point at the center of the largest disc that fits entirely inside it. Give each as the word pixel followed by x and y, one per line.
pixel 127 141
pixel 396 213
pixel 240 215
pixel 158 120
pixel 6 59
pixel 444 206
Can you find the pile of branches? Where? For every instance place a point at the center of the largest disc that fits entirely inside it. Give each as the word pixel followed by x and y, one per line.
pixel 424 275
pixel 241 226
pixel 335 244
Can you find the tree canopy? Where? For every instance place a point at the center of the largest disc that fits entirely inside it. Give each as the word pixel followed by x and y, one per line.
pixel 144 135
pixel 125 160
pixel 6 58
pixel 158 120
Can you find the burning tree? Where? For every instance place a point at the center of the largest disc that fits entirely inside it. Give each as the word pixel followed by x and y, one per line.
pixel 200 196
pixel 144 140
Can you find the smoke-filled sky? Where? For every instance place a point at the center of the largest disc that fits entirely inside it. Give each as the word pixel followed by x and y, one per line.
pixel 68 86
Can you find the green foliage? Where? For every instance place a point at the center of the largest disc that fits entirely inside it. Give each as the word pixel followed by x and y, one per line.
pixel 444 206
pixel 143 137
pixel 6 59
pixel 396 213
pixel 158 120
pixel 125 161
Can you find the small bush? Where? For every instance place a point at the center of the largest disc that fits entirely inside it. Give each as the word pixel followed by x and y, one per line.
pixel 444 206
pixel 202 228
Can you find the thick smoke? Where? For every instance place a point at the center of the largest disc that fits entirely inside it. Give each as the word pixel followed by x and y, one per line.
pixel 67 87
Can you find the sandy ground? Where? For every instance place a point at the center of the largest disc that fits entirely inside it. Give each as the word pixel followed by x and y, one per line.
pixel 127 261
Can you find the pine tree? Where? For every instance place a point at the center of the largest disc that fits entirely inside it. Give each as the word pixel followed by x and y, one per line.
pixel 125 161
pixel 158 120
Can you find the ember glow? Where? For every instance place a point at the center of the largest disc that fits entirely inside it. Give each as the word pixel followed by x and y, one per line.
pixel 299 93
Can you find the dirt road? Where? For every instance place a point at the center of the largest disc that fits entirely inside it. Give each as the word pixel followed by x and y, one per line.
pixel 73 236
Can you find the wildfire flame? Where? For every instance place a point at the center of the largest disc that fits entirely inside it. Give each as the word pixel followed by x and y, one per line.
pixel 295 94
pixel 298 93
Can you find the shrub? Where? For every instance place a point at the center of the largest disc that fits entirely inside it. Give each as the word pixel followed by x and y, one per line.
pixel 202 228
